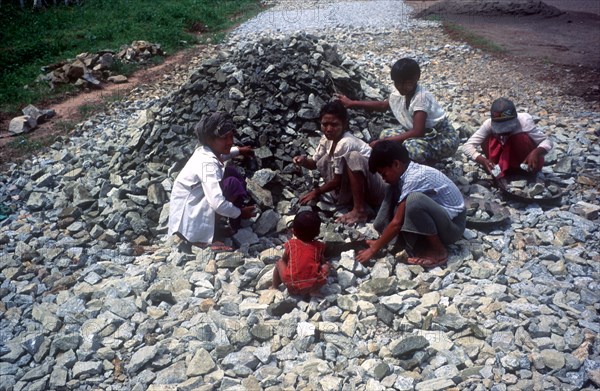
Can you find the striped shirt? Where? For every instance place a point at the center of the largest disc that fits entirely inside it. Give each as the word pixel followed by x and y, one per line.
pixel 427 180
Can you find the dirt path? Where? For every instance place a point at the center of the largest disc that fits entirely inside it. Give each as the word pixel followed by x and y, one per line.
pixel 589 6
pixel 71 110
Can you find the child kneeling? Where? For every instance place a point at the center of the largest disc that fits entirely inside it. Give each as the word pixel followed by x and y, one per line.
pixel 303 268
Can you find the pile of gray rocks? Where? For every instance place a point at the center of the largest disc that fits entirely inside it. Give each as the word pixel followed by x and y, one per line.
pixel 90 70
pixel 95 296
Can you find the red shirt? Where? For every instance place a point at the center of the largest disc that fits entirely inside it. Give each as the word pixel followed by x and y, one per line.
pixel 303 272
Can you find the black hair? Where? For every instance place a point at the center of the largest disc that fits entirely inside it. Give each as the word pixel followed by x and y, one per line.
pixel 307 225
pixel 335 108
pixel 385 152
pixel 213 126
pixel 405 69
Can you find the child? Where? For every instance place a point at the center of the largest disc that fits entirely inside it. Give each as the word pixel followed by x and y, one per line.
pixel 425 131
pixel 510 140
pixel 205 188
pixel 302 268
pixel 423 208
pixel 342 161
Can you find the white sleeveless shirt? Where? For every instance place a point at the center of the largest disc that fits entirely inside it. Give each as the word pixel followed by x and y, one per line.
pixel 422 101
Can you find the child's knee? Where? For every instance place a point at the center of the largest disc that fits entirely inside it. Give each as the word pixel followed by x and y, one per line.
pixel 387 133
pixel 356 162
pixel 415 198
pixel 233 188
pixel 416 203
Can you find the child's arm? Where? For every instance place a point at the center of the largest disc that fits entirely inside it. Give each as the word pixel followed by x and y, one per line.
pixel 487 165
pixel 543 142
pixel 374 105
pixel 248 211
pixel 322 260
pixel 390 232
pixel 246 151
pixel 233 152
pixel 418 129
pixel 327 187
pixel 285 257
pixel 304 161
pixel 324 264
pixel 211 186
pixel 476 140
pixel 279 270
pixel 534 159
pixel 237 151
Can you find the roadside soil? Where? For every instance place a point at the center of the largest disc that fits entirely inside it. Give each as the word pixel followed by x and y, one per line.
pixel 70 109
pixel 564 49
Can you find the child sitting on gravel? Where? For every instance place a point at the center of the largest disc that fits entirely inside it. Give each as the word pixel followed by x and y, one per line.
pixel 424 129
pixel 205 188
pixel 302 268
pixel 510 140
pixel 342 160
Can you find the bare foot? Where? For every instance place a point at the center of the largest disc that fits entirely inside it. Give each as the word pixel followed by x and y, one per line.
pixel 429 259
pixel 427 262
pixel 353 217
pixel 215 246
pixel 440 253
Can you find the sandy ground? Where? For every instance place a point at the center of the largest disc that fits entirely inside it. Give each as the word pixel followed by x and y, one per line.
pixel 68 110
pixel 589 6
pixel 572 38
pixel 564 48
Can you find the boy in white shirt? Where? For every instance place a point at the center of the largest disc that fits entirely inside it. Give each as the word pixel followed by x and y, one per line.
pixel 205 187
pixel 423 209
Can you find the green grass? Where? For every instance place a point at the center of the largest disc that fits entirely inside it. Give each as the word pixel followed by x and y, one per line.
pixel 113 97
pixel 25 144
pixel 31 39
pixel 461 33
pixel 124 68
pixel 65 126
pixel 89 109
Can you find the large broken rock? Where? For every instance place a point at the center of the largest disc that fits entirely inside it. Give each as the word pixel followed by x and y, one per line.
pixel 22 124
pixel 40 116
pixel 90 70
pixel 118 79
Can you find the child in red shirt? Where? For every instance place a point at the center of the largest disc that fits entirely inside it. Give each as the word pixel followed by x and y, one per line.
pixel 302 268
pixel 509 140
